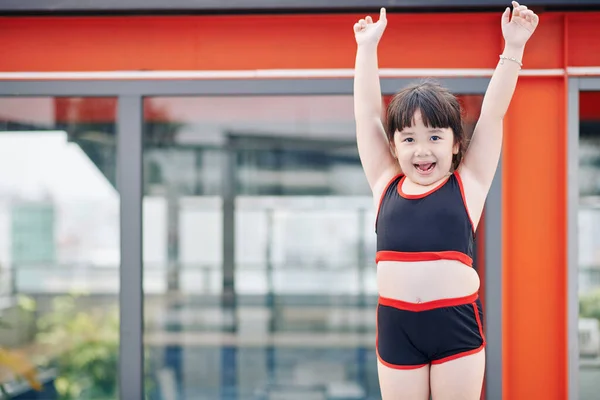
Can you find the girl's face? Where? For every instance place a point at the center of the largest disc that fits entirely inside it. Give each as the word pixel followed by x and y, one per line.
pixel 424 153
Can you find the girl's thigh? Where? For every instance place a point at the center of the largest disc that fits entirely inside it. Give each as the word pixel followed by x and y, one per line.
pixel 461 378
pixel 403 384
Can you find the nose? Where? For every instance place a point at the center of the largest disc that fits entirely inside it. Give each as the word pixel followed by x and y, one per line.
pixel 422 150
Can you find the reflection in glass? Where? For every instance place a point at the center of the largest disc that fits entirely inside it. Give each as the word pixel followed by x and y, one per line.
pixel 589 245
pixel 59 246
pixel 259 248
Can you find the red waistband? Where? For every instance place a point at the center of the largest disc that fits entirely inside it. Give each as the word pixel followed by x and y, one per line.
pixel 386 255
pixel 428 305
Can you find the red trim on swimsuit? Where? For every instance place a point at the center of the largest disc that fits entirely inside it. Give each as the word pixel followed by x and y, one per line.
pixel 421 195
pixel 387 255
pixel 462 193
pixel 430 305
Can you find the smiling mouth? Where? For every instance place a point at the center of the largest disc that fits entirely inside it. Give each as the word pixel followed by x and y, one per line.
pixel 425 168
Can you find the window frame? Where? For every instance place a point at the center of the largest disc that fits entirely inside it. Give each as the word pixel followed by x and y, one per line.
pixel 130 95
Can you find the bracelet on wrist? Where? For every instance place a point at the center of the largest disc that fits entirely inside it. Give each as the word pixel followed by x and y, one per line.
pixel 502 58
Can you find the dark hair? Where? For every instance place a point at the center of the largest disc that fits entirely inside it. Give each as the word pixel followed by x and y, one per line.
pixel 439 109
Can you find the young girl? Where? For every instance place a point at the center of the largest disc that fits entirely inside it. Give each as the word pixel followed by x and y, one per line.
pixel 430 189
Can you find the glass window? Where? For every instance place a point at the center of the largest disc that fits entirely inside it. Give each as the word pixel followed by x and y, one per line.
pixel 59 246
pixel 259 248
pixel 589 245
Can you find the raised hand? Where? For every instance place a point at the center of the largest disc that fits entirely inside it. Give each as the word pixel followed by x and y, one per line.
pixel 518 29
pixel 368 32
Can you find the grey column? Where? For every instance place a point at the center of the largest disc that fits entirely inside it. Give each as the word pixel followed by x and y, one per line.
pixel 572 240
pixel 493 288
pixel 173 265
pixel 228 299
pixel 129 183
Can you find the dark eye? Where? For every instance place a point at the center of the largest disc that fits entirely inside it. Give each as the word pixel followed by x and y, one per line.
pixel 435 138
pixel 409 140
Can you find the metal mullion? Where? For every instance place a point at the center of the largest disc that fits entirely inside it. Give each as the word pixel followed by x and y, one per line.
pixel 131 296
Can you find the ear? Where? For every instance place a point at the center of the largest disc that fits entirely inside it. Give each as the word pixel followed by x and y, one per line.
pixel 392 149
pixel 455 148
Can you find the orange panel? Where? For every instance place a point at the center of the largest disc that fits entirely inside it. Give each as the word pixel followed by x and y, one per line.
pixel 584 39
pixel 441 41
pixel 534 292
pixel 242 42
pixel 92 44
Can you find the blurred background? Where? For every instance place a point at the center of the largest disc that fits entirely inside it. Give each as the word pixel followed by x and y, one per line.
pixel 257 224
pixel 301 324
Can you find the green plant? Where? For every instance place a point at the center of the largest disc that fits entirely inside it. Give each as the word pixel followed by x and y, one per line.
pixel 81 343
pixel 15 361
pixel 86 343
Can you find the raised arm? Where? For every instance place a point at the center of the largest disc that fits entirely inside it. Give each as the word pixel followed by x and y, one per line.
pixel 373 147
pixel 481 159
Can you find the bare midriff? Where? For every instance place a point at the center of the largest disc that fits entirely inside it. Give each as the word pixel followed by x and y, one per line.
pixel 421 281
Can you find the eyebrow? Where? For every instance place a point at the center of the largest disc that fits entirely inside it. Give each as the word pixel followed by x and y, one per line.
pixel 437 130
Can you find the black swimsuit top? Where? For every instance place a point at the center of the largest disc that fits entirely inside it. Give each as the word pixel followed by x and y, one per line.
pixel 431 226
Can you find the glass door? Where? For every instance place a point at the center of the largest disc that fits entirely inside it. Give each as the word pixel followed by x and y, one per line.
pixel 588 220
pixel 245 218
pixel 59 247
pixel 259 248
